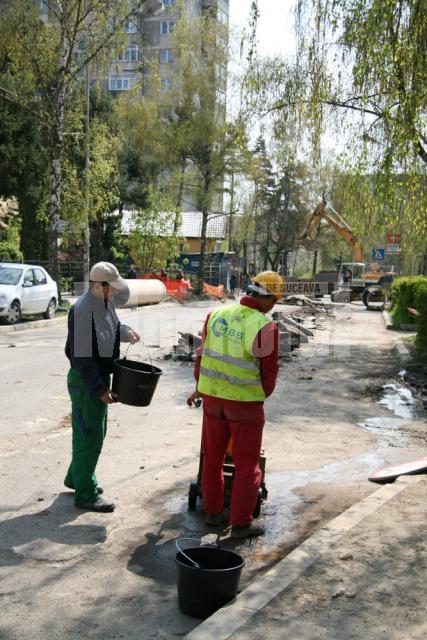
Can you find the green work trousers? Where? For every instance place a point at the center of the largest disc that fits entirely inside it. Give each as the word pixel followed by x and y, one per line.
pixel 89 423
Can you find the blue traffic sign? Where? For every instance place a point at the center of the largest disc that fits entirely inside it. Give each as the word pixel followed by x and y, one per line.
pixel 377 254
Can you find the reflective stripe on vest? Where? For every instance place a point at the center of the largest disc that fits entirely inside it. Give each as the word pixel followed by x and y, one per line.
pixel 231 379
pixel 239 362
pixel 228 367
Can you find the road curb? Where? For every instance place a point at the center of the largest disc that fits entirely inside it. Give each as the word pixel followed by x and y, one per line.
pixel 229 619
pixel 399 346
pixel 403 352
pixel 387 319
pixel 33 324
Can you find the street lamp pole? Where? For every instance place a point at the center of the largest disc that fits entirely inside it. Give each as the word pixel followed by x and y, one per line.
pixel 86 227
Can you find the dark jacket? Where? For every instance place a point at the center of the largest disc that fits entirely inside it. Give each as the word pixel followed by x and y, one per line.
pixel 93 341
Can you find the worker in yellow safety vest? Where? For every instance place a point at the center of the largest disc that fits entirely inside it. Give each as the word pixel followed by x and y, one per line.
pixel 236 371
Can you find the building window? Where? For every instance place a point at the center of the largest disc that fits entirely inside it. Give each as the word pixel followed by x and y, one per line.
pixel 165 56
pixel 222 17
pixel 42 6
pixel 166 27
pixel 131 26
pixel 165 84
pixel 121 82
pixel 221 74
pixel 221 98
pixel 130 55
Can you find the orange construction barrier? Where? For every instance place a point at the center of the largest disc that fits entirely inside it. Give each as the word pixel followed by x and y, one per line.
pixel 180 288
pixel 216 292
pixel 176 288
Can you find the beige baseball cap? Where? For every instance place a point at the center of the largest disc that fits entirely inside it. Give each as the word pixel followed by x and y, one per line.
pixel 107 272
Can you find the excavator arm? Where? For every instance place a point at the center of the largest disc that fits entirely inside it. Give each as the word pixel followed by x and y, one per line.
pixel 334 220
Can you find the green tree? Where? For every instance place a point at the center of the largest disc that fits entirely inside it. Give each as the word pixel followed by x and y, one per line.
pixel 103 190
pixel 52 55
pixel 9 230
pixel 360 72
pixel 284 216
pixel 152 240
pixel 198 124
pixel 23 174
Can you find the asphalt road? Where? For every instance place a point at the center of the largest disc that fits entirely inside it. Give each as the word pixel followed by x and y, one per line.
pixel 66 573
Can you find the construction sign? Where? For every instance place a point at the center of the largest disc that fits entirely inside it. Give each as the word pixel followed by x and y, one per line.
pixel 393 243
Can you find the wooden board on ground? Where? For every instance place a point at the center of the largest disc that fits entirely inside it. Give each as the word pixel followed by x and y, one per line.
pixel 389 474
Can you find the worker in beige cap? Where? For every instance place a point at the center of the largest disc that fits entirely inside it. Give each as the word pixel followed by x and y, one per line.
pixel 93 343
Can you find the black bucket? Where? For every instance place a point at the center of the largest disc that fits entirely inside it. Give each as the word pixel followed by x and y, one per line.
pixel 207 579
pixel 135 382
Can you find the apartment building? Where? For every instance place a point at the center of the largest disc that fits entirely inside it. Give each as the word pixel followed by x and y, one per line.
pixel 150 37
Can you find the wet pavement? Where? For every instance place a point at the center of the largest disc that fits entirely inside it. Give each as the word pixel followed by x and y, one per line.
pixel 319 446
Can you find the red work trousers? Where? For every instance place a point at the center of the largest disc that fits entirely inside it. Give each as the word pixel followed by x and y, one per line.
pixel 243 422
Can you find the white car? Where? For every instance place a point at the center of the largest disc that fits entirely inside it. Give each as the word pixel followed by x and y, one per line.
pixel 26 290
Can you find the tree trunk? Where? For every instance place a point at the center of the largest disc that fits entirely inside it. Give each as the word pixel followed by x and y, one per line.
pixel 230 216
pixel 314 263
pixel 295 262
pixel 57 134
pixel 33 231
pixel 179 196
pixel 86 228
pixel 205 216
pixel 201 269
pixel 54 213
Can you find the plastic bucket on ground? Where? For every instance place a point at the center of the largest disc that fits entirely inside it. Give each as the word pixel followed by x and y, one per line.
pixel 207 579
pixel 135 382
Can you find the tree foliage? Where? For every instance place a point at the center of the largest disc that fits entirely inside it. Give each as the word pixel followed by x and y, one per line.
pixel 153 240
pixel 361 71
pixel 369 57
pixel 47 59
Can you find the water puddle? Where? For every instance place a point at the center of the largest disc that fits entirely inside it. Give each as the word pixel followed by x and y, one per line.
pixel 399 400
pixel 281 507
pixel 283 503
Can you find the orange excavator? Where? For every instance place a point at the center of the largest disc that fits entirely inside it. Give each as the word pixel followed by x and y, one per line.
pixel 355 278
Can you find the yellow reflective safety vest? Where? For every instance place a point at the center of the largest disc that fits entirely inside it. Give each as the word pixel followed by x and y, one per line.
pixel 227 368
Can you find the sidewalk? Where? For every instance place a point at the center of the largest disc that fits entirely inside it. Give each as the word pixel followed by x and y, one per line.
pixel 361 577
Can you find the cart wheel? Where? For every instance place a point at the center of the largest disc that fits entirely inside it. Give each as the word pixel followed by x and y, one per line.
pixel 264 492
pixel 192 495
pixel 257 509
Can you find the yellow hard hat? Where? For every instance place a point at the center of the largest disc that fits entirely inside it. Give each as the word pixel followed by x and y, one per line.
pixel 268 283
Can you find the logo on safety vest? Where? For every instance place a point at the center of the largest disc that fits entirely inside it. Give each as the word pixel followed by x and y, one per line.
pixel 220 327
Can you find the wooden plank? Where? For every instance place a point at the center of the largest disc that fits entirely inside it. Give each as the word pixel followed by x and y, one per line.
pixel 413 311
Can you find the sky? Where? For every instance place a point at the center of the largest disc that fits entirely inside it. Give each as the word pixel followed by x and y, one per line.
pixel 275 36
pixel 275 26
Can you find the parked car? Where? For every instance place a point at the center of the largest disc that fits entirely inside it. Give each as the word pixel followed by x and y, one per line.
pixel 26 290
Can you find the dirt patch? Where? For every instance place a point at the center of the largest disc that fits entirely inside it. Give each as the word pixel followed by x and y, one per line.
pixel 64 423
pixel 321 503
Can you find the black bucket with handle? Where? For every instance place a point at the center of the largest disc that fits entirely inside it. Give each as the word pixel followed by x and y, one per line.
pixel 207 578
pixel 135 382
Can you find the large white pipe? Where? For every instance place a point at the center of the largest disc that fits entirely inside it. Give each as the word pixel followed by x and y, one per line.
pixel 145 292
